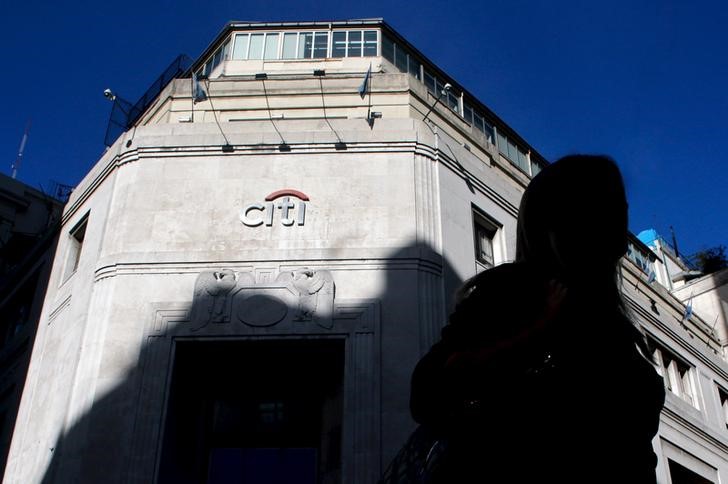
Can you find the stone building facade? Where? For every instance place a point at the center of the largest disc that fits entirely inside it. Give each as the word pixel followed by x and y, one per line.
pixel 267 254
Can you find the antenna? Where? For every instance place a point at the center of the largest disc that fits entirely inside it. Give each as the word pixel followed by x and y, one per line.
pixel 674 241
pixel 16 164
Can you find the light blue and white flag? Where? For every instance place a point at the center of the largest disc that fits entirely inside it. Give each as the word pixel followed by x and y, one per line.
pixel 688 309
pixel 651 277
pixel 198 93
pixel 364 87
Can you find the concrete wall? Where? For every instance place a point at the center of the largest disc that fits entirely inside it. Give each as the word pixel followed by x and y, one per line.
pixel 166 209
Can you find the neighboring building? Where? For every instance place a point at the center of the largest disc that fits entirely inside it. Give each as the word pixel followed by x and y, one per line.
pixel 263 268
pixel 29 221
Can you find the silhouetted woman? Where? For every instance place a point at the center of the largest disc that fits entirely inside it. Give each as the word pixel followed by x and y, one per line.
pixel 540 375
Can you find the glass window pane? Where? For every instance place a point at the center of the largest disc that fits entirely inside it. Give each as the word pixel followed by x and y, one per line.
pixel 289 45
pixel 225 50
pixel 522 161
pixel 502 144
pixel 370 43
pixel 338 44
pixel 535 168
pixel 271 46
pixel 453 101
pixel 467 113
pixel 216 59
pixel 388 49
pixel 484 235
pixel 430 82
pixel 488 130
pixel 240 51
pixel 305 45
pixel 478 121
pixel 485 247
pixel 256 46
pixel 414 67
pixel 355 43
pixel 512 151
pixel 400 58
pixel 320 45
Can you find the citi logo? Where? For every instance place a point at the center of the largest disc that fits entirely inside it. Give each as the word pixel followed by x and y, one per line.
pixel 292 211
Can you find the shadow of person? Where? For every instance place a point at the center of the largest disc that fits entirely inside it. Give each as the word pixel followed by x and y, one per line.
pixel 294 374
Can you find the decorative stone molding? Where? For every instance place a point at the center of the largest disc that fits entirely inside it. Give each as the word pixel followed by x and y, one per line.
pixel 224 296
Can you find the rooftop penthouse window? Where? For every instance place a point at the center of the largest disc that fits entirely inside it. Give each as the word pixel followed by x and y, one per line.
pixel 405 61
pixel 304 45
pixel 341 43
pixel 220 55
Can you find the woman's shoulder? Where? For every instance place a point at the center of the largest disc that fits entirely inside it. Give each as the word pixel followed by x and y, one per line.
pixel 501 279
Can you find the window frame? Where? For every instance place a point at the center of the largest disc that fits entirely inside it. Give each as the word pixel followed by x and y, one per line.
pixel 483 223
pixel 75 247
pixel 677 374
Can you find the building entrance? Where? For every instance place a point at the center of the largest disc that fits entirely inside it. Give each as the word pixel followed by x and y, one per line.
pixel 254 412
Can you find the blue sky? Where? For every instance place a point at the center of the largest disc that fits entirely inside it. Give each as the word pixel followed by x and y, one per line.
pixel 645 82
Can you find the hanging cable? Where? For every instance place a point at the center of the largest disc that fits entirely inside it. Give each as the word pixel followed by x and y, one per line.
pixel 340 144
pixel 227 147
pixel 283 146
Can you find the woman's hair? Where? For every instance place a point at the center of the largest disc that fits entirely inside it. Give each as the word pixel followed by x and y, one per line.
pixel 573 209
pixel 572 226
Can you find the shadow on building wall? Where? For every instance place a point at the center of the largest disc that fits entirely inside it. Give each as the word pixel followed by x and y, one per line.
pixel 266 361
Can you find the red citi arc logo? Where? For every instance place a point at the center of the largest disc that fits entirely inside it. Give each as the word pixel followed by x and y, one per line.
pixel 292 212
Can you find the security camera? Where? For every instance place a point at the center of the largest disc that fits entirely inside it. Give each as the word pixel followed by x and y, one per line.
pixel 109 95
pixel 446 87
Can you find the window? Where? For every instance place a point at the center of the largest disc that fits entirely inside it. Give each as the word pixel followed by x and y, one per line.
pixel 513 152
pixel 502 144
pixel 290 41
pixel 241 46
pixel 430 82
pixel 255 50
pixel 682 475
pixel 480 124
pixel 338 44
pixel 370 43
pixel 76 238
pixel 271 412
pixel 354 44
pixel 388 49
pixel 306 45
pixel 453 100
pixel 535 167
pixel 220 55
pixel 484 231
pixel 400 58
pixel 677 374
pixel 414 68
pixel 723 395
pixel 320 45
pixel 271 46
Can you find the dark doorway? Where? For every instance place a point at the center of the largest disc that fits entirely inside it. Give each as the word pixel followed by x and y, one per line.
pixel 255 412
